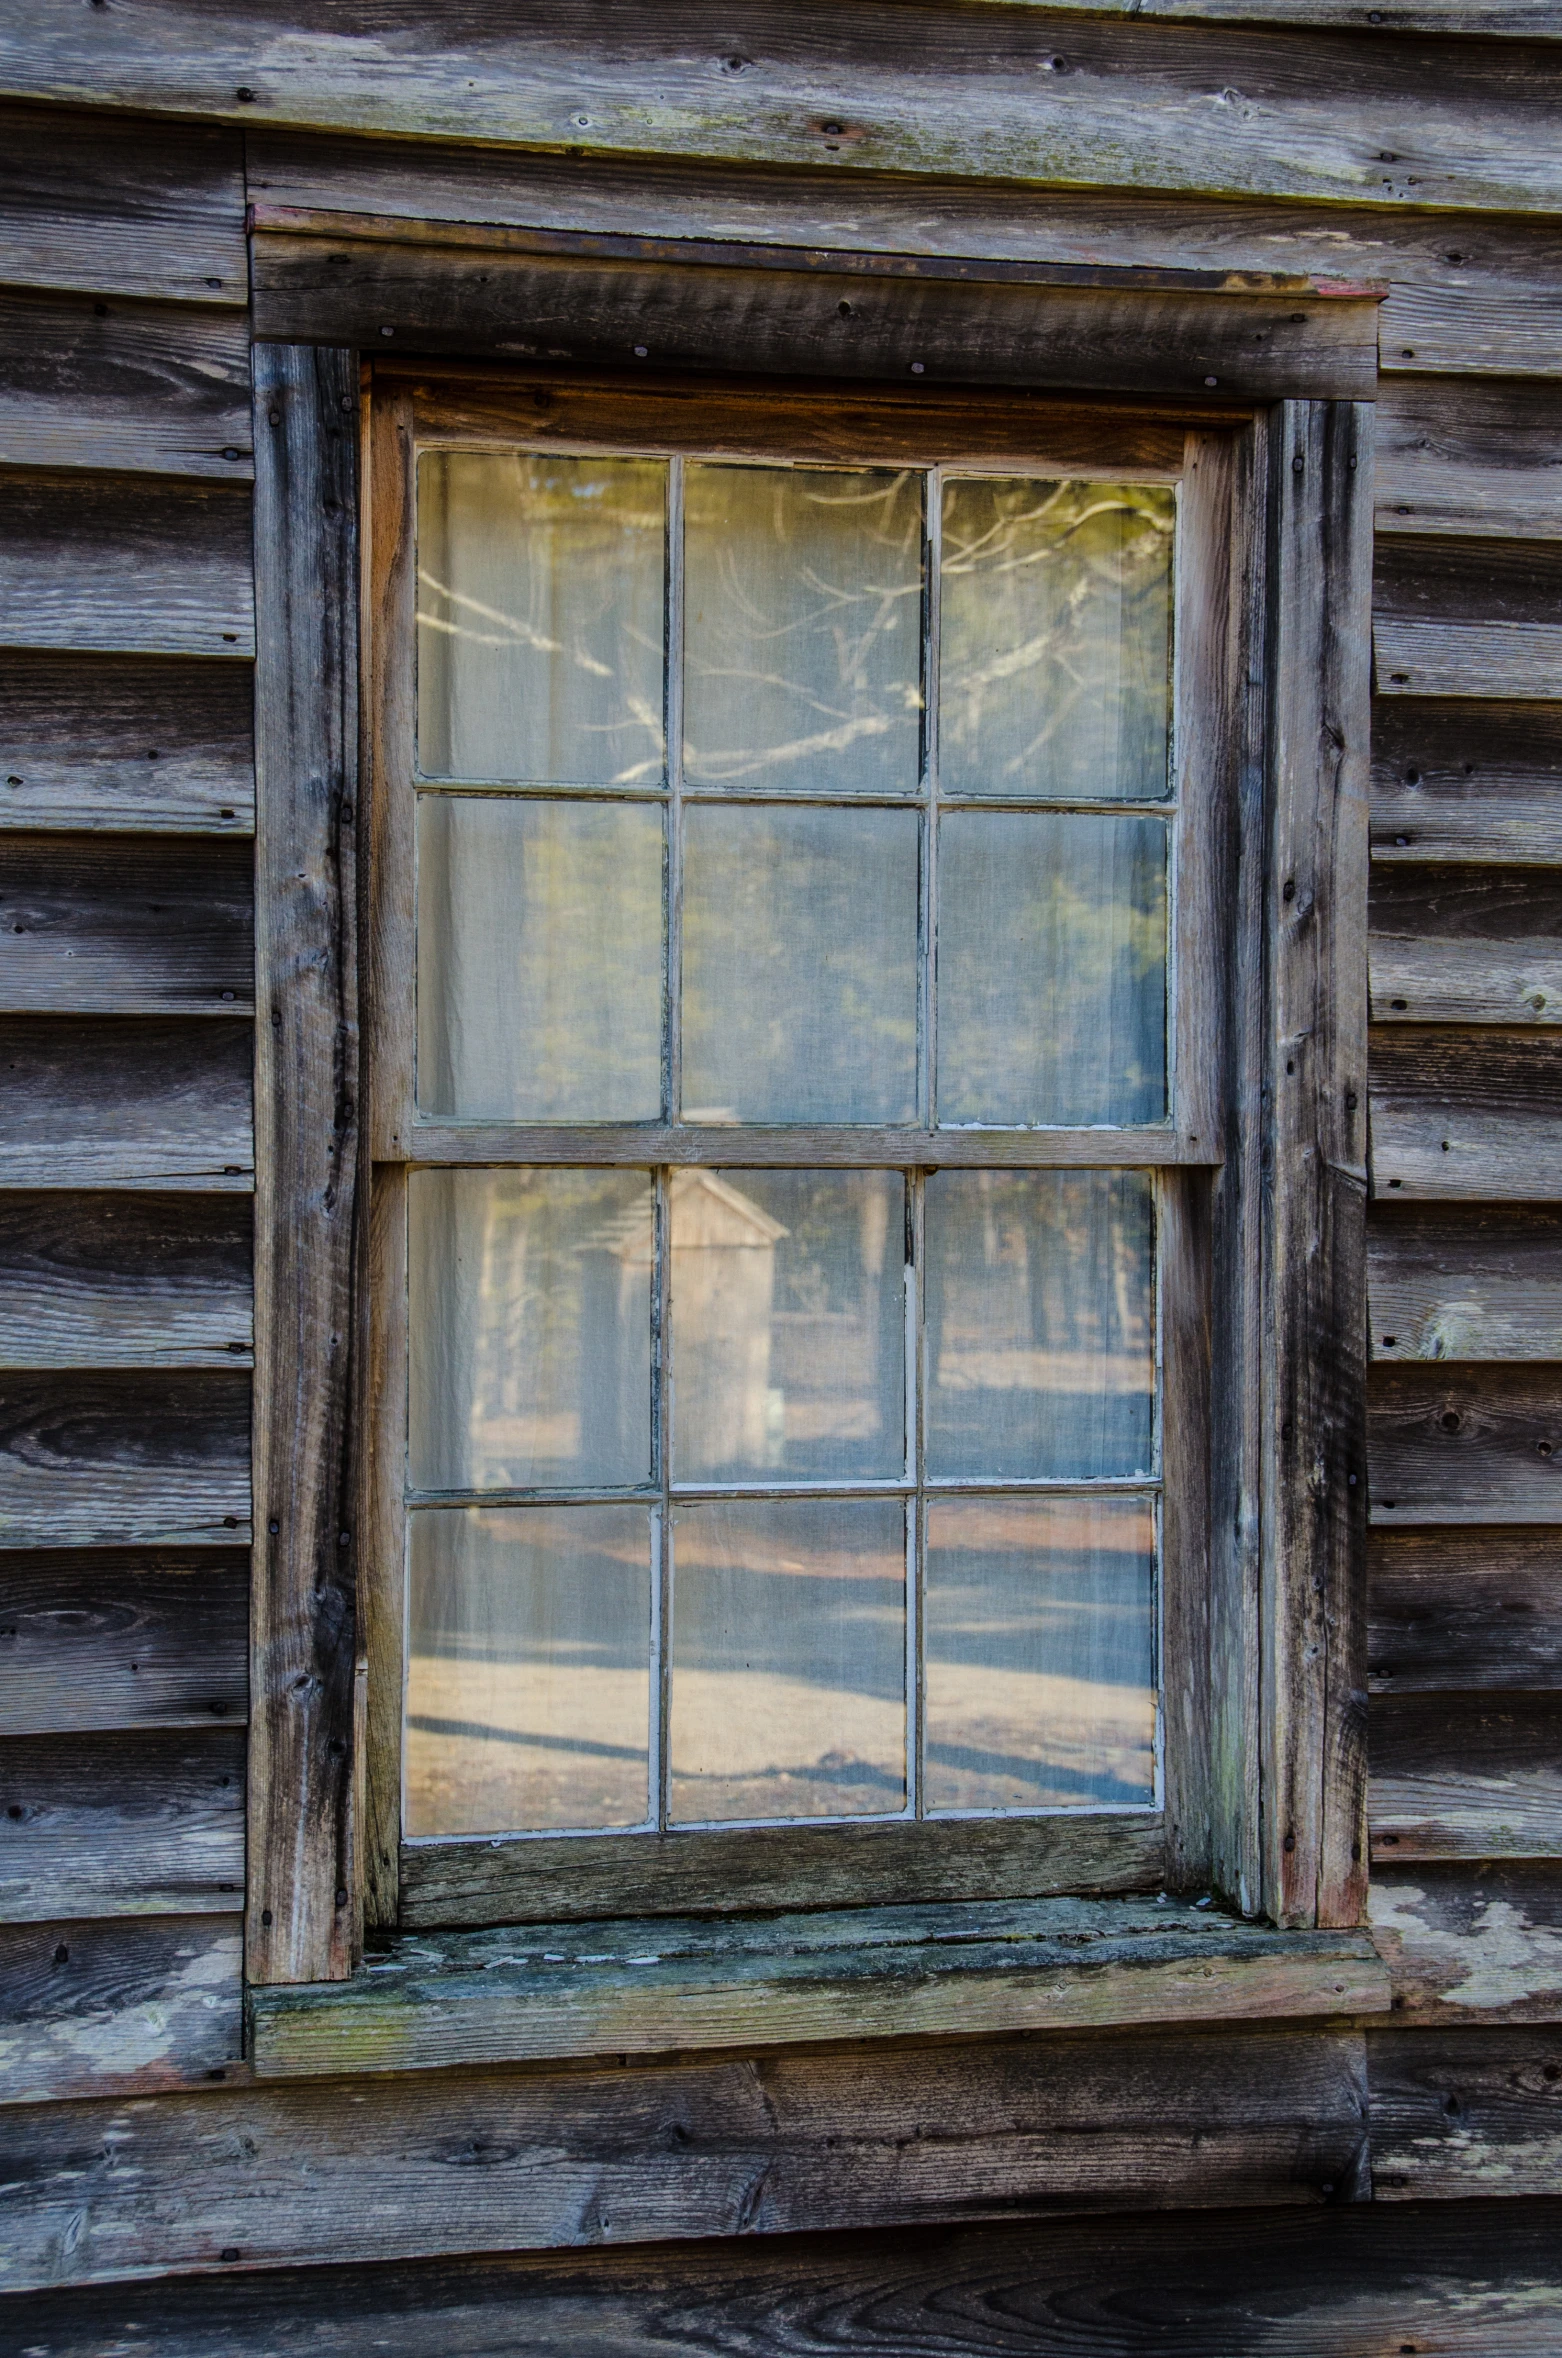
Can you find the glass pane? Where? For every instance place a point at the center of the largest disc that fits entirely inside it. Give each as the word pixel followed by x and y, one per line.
pixel 530 1316
pixel 1055 639
pixel 528 1679
pixel 1039 1621
pixel 788 1319
pixel 1051 969
pixel 788 1659
pixel 803 629
pixel 540 617
pixel 799 965
pixel 539 960
pixel 1040 1325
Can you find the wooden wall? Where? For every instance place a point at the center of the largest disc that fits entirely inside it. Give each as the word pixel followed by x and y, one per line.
pixel 126 1169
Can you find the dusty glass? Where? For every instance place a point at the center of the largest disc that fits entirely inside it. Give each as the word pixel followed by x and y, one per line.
pixel 803 629
pixel 528 1672
pixel 541 610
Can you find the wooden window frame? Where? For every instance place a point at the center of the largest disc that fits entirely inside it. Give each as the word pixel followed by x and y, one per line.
pixel 1265 1776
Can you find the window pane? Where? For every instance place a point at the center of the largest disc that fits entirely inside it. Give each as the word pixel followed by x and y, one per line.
pixel 1039 1619
pixel 788 1659
pixel 799 965
pixel 1055 639
pixel 528 1686
pixel 539 960
pixel 788 1319
pixel 1040 1338
pixel 803 629
pixel 1051 969
pixel 540 617
pixel 530 1298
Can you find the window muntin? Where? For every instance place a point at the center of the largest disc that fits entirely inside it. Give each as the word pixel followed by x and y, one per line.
pixel 974 1630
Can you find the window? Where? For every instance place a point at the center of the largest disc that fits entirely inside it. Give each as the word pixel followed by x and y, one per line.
pixel 791 1078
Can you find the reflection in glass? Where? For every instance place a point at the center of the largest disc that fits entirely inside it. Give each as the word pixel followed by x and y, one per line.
pixel 540 617
pixel 788 1325
pixel 799 965
pixel 539 959
pixel 788 1659
pixel 1039 1627
pixel 528 1678
pixel 530 1314
pixel 1040 1325
pixel 1051 969
pixel 1055 639
pixel 802 632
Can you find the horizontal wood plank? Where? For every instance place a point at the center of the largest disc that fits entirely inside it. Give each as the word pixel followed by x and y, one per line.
pixel 463 2162
pixel 121 1825
pixel 1464 1284
pixel 1467 1608
pixel 1471 1943
pixel 120 1638
pixel 1463 1114
pixel 115 742
pixel 121 1102
pixel 668 1984
pixel 1466 945
pixel 1465 1777
pixel 121 1460
pixel 970 92
pixel 1480 2279
pixel 1462 2113
pixel 375 280
pixel 96 925
pixel 1469 455
pixel 155 388
pixel 115 207
pixel 1462 1444
pixel 1457 617
pixel 123 2007
pixel 128 563
pixel 1465 781
pixel 531 1881
pixel 125 1280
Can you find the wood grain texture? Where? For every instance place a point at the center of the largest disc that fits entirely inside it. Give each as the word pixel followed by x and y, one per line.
pixel 122 1825
pixel 1464 1284
pixel 1480 2279
pixel 155 388
pixel 1481 455
pixel 124 1280
pixel 843 316
pixel 1459 2113
pixel 125 562
pixel 1468 1608
pixel 97 925
pixel 1454 617
pixel 664 1985
pixel 122 1460
pixel 1478 945
pixel 1466 1777
pixel 1465 1943
pixel 120 2007
pixel 1466 781
pixel 535 1880
pixel 1465 1444
pixel 1465 1115
pixel 113 207
pixel 382 1600
pixel 115 1638
pixel 125 1103
pixel 968 93
pixel 308 1314
pixel 1314 1245
pixel 141 747
pixel 756 2146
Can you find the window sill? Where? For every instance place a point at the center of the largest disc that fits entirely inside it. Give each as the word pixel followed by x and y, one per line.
pixel 550 1993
